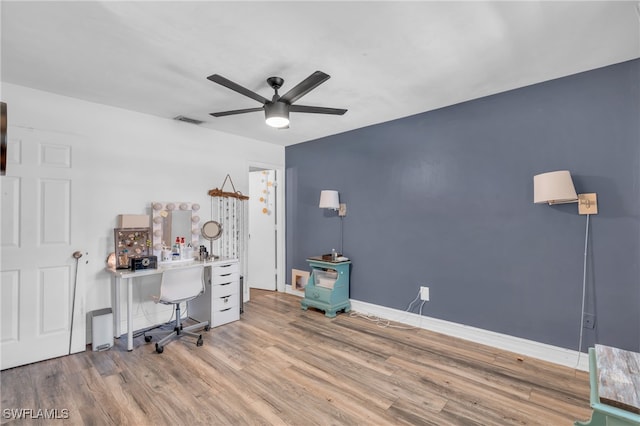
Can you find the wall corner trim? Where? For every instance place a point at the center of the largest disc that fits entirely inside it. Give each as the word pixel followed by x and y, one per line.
pixel 518 345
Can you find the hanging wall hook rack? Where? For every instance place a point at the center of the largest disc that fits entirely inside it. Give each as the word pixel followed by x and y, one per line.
pixel 222 193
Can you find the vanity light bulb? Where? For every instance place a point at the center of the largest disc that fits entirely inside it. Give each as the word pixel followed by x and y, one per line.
pixel 184 206
pixel 157 206
pixel 195 207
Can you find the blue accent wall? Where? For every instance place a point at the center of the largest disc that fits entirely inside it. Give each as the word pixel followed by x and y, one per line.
pixel 445 199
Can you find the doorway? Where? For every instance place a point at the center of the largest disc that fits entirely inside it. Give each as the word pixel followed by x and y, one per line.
pixel 266 241
pixel 262 266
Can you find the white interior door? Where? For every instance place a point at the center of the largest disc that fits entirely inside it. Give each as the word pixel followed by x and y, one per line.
pixel 262 230
pixel 41 222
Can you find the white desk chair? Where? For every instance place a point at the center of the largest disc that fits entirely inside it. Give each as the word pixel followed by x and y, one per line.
pixel 179 285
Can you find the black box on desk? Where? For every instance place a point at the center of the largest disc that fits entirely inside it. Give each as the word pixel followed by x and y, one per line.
pixel 143 262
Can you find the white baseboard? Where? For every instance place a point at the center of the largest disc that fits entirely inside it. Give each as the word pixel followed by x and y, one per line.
pixel 529 348
pixel 290 290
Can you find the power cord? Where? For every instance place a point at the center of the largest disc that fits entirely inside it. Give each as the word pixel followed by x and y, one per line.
pixel 385 323
pixel 147 316
pixel 584 289
pixel 165 324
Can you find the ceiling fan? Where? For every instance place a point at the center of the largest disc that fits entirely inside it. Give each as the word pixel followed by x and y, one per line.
pixel 277 109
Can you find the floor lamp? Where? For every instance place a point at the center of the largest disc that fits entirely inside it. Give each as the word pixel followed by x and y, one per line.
pixel 557 188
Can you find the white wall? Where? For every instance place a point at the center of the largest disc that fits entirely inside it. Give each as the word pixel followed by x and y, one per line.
pixel 134 159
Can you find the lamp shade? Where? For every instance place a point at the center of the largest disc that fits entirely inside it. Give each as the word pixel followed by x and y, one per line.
pixel 554 188
pixel 329 200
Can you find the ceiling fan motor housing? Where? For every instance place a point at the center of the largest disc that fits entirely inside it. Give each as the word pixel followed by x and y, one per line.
pixel 276 114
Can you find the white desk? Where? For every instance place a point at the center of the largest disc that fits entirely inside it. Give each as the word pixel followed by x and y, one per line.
pixel 128 276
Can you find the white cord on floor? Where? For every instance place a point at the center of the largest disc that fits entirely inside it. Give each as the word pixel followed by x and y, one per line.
pixel 140 307
pixel 385 323
pixel 584 288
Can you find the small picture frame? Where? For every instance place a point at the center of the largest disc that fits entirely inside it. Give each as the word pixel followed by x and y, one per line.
pixel 131 242
pixel 299 279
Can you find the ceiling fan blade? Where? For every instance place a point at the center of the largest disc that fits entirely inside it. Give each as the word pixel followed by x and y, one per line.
pixel 316 110
pixel 237 111
pixel 237 88
pixel 304 87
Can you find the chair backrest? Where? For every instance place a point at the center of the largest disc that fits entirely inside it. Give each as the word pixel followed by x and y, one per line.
pixel 180 284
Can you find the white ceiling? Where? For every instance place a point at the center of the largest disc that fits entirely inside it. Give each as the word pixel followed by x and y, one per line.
pixel 386 59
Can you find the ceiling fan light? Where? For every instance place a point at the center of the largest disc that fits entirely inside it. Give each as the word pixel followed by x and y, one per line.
pixel 277 122
pixel 277 114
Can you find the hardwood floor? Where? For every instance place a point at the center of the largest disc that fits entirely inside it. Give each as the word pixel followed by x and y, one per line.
pixel 284 366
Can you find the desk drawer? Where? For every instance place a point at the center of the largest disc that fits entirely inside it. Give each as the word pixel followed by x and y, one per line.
pixel 226 269
pixel 320 294
pixel 225 315
pixel 223 302
pixel 233 277
pixel 224 290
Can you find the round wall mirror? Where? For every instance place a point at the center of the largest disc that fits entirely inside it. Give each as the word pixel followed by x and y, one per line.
pixel 211 231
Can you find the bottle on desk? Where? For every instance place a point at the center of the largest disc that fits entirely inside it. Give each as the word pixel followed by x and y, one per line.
pixel 334 255
pixel 176 249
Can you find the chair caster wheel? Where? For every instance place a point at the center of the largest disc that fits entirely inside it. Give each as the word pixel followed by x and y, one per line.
pixel 159 348
pixel 200 341
pixel 207 327
pixel 147 339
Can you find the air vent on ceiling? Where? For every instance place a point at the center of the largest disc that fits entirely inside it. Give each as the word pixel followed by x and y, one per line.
pixel 188 120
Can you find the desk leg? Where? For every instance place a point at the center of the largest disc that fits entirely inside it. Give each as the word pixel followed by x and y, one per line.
pixel 129 314
pixel 116 306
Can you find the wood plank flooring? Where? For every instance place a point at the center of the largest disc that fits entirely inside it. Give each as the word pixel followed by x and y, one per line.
pixel 280 365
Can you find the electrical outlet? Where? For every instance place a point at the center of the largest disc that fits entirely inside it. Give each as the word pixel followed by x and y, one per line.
pixel 424 293
pixel 589 321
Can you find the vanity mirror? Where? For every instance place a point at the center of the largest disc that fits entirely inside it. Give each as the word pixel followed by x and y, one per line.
pixel 173 220
pixel 211 231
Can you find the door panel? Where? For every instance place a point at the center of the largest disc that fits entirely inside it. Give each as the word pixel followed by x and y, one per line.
pixel 9 297
pixel 10 211
pixel 53 299
pixel 55 211
pixel 39 194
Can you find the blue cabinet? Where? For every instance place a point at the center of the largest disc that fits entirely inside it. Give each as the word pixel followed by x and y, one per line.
pixel 328 286
pixel 613 397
